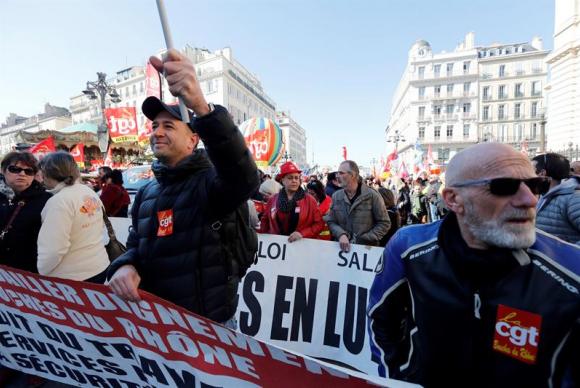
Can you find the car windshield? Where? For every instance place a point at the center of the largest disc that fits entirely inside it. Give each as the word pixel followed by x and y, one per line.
pixel 136 177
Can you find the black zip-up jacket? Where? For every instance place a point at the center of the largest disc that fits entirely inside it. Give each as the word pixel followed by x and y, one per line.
pixel 19 248
pixel 172 245
pixel 444 315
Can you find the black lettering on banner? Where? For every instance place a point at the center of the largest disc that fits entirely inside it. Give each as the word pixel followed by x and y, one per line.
pixel 22 360
pixel 152 369
pixel 330 337
pixel 253 280
pixel 281 307
pixel 6 340
pixel 183 379
pixel 112 367
pixel 303 310
pixel 273 251
pixel 365 268
pixel 100 346
pixel 15 320
pixel 354 261
pixel 355 345
pixel 344 261
pixel 82 319
pixel 67 339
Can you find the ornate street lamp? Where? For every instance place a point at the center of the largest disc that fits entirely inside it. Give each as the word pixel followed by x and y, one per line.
pixel 396 138
pixel 99 90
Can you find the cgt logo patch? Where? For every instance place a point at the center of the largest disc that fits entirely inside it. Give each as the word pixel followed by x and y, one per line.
pixel 517 333
pixel 165 218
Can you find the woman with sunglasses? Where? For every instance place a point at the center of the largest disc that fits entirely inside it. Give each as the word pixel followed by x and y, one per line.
pixel 21 201
pixel 70 242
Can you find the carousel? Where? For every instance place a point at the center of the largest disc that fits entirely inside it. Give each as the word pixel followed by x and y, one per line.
pixel 66 139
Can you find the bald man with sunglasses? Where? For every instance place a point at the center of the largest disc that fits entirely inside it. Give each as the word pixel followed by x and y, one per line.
pixel 481 298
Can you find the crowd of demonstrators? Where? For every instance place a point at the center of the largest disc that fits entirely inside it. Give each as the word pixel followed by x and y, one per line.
pixel 332 183
pixel 71 243
pixel 316 189
pixel 481 298
pixel 292 211
pixel 172 250
pixel 358 214
pixel 559 209
pixel 22 199
pixel 114 196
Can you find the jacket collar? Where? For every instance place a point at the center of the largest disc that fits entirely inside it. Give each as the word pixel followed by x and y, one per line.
pixel 198 161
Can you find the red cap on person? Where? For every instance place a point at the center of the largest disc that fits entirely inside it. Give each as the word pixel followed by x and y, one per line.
pixel 287 168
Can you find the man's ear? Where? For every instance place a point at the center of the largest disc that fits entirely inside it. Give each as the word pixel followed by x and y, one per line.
pixel 194 139
pixel 453 200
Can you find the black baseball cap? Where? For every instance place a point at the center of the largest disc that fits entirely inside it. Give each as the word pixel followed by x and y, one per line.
pixel 152 106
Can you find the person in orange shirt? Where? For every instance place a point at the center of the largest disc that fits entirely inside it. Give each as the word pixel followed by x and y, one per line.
pixel 316 189
pixel 292 212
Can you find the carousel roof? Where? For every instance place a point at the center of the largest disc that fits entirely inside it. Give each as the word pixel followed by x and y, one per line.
pixel 82 127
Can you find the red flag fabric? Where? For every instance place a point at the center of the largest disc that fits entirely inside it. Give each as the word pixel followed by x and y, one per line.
pixel 44 147
pixel 78 154
pixel 122 123
pixel 344 153
pixel 392 156
pixel 403 173
pixel 152 88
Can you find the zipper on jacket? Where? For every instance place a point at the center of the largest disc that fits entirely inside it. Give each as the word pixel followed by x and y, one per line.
pixel 476 305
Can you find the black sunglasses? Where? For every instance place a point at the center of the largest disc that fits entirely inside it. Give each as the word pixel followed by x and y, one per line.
pixel 503 187
pixel 18 170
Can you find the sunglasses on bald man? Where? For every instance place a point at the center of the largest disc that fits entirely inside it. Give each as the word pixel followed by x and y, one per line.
pixel 504 187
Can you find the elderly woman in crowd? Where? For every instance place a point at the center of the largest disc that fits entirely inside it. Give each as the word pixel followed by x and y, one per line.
pixel 21 201
pixel 292 212
pixel 70 243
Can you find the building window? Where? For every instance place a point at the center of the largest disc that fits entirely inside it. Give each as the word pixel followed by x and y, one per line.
pixel 534 131
pixel 519 129
pixel 501 94
pixel 486 92
pixel 437 132
pixel 421 112
pixel 466 67
pixel 466 87
pixel 534 110
pixel 449 89
pixel 517 108
pixel 422 92
pixel 449 109
pixel 421 72
pixel 502 132
pixel 466 108
pixel 501 112
pixel 518 92
pixel 437 90
pixel 437 71
pixel 502 70
pixel 449 131
pixel 536 88
pixel 127 91
pixel 134 89
pixel 466 131
pixel 449 69
pixel 421 133
pixel 485 113
pixel 437 110
pixel 141 88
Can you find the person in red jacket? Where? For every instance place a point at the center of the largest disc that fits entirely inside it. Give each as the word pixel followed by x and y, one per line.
pixel 316 189
pixel 292 212
pixel 114 196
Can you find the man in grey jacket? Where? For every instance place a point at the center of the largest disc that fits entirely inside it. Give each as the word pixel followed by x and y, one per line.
pixel 358 214
pixel 558 212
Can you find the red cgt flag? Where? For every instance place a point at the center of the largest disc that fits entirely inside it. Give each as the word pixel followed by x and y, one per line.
pixel 44 147
pixel 122 123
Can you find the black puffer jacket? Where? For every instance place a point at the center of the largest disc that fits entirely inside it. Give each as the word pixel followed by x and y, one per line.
pixel 187 266
pixel 18 248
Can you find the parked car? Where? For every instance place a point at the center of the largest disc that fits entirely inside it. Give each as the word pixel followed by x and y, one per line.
pixel 136 177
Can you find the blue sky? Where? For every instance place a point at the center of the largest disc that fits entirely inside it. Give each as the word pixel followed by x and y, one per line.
pixel 333 63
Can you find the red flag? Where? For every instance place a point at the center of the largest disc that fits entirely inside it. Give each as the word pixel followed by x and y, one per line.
pixel 152 88
pixel 344 154
pixel 44 147
pixel 392 156
pixel 430 159
pixel 122 123
pixel 78 154
pixel 403 173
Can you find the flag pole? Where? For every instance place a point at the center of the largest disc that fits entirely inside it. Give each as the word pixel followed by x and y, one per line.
pixel 169 44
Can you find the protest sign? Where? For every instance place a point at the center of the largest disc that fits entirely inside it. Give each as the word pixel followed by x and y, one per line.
pixel 308 297
pixel 122 124
pixel 82 334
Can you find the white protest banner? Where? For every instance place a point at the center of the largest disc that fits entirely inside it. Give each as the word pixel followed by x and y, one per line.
pixel 311 298
pixel 307 297
pixel 82 334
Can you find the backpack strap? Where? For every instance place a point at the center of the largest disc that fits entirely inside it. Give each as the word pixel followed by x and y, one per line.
pixel 8 226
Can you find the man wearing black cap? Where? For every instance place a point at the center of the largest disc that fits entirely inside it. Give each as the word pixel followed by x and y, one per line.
pixel 172 250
